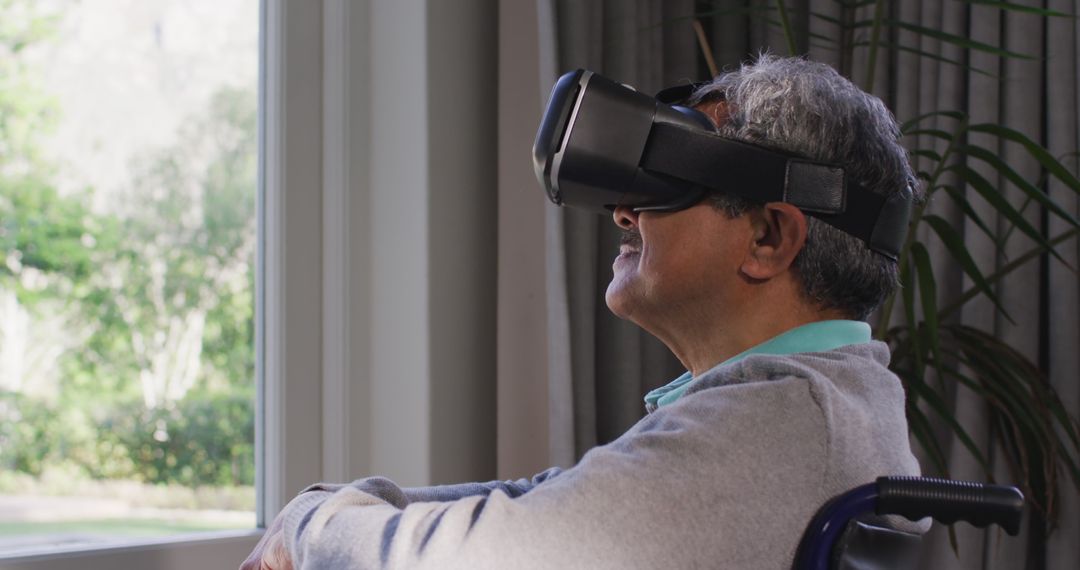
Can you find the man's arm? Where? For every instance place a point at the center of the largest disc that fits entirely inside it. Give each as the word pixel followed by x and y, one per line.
pixel 443 493
pixel 702 480
pixel 400 497
pixel 372 523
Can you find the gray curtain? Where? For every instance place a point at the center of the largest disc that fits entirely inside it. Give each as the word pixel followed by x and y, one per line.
pixel 607 365
pixel 612 363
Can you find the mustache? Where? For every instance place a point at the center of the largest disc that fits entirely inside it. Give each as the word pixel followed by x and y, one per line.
pixel 631 238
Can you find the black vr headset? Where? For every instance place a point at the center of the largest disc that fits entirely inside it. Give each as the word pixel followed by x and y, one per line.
pixel 602 145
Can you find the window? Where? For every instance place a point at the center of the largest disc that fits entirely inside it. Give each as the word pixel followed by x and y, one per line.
pixel 128 169
pixel 319 194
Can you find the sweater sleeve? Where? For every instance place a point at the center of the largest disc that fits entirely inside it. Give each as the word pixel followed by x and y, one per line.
pixel 673 491
pixel 388 492
pixel 443 493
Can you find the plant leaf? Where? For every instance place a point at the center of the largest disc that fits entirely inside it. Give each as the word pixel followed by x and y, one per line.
pixel 924 272
pixel 935 402
pixel 1010 7
pixel 785 24
pixel 907 291
pixel 1005 270
pixel 955 244
pixel 981 185
pixel 920 118
pixel 927 153
pixel 930 55
pixel 924 434
pixel 1025 370
pixel 827 18
pixel 744 10
pixel 1035 149
pixel 985 355
pixel 936 133
pixel 965 206
pixel 1028 188
pixel 946 37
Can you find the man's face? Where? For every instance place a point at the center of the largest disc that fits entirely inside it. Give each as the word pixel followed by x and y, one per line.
pixel 676 263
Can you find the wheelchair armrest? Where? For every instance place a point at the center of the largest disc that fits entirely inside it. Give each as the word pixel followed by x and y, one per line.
pixel 867 547
pixel 948 501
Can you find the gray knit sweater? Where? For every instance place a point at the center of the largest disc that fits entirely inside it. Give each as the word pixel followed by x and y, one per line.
pixel 725 477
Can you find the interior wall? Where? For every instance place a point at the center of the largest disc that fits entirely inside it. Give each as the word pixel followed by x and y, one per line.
pixel 409 319
pixel 522 400
pixel 462 236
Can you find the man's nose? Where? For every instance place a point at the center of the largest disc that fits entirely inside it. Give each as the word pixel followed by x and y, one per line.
pixel 625 217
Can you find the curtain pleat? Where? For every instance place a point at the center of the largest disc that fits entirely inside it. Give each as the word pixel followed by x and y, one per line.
pixel 612 362
pixel 1063 360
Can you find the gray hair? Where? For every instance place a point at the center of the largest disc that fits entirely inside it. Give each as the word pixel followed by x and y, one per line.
pixel 799 106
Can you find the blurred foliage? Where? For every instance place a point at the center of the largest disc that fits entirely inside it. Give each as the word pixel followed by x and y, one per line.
pixel 208 438
pixel 150 297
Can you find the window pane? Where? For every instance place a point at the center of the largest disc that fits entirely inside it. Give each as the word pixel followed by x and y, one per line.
pixel 127 244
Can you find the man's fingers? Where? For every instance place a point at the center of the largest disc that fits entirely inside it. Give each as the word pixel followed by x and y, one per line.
pixel 276 556
pixel 270 552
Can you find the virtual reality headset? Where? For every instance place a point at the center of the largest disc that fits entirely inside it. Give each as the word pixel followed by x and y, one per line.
pixel 602 144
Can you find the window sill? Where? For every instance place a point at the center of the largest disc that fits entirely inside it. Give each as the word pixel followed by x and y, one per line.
pixel 222 549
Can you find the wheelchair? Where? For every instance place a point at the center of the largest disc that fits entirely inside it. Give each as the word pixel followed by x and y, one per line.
pixel 836 540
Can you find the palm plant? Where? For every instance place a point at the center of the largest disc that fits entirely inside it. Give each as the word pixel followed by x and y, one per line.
pixel 932 351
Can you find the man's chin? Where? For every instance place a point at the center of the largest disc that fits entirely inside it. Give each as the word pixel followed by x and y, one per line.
pixel 619 298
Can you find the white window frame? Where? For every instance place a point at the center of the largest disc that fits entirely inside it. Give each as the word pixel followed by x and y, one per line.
pixel 289 316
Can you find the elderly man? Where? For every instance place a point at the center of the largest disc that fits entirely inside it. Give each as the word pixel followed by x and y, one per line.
pixel 786 401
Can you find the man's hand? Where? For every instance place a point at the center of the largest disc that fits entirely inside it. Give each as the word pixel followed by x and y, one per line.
pixel 270 553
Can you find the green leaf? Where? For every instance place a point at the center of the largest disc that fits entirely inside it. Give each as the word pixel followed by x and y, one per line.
pixel 1027 371
pixel 965 206
pixel 831 43
pixel 823 46
pixel 961 41
pixel 854 3
pixel 955 244
pixel 936 133
pixel 924 434
pixel 743 10
pixel 928 295
pixel 930 55
pixel 927 153
pixel 827 18
pixel 1028 188
pixel 1036 150
pixel 785 23
pixel 1010 7
pixel 1008 268
pixel 993 360
pixel 749 10
pixel 994 197
pixel 938 406
pixel 907 291
pixel 908 124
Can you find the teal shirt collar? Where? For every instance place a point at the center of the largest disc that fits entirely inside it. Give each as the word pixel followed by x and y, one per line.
pixel 818 336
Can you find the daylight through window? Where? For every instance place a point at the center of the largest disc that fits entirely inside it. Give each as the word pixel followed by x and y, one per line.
pixel 127 267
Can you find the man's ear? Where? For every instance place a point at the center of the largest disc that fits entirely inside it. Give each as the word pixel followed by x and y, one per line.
pixel 779 235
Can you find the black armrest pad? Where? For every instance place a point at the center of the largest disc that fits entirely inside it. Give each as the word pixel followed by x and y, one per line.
pixel 868 547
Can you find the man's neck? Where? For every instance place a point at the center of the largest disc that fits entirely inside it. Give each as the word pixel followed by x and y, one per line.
pixel 708 337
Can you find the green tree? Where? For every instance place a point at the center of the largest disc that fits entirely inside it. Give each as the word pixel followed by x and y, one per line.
pixel 186 300
pixel 135 317
pixel 46 251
